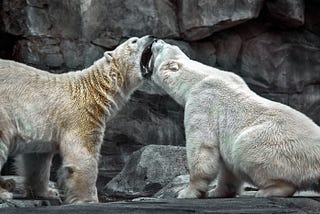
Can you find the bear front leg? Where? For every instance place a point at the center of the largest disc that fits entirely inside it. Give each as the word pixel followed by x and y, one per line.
pixel 35 167
pixel 78 174
pixel 202 148
pixel 203 161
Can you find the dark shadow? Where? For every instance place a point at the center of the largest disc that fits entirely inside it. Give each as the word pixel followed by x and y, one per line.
pixel 7 43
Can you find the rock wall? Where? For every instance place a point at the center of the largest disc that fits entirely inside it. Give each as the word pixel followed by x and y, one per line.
pixel 273 44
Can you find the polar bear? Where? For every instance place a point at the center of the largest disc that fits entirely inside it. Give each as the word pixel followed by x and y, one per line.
pixel 235 135
pixel 43 113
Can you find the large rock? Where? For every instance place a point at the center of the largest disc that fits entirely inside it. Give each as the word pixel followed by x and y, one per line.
pixel 277 62
pixel 42 18
pixel 287 12
pixel 106 22
pixel 148 170
pixel 308 101
pixel 57 55
pixel 228 47
pixel 312 19
pixel 283 66
pixel 13 17
pixel 200 18
pixel 180 206
pixel 101 22
pixel 204 52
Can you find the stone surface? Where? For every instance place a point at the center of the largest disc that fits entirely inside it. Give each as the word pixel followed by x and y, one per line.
pixel 13 17
pixel 205 206
pixel 276 62
pixel 287 12
pixel 148 170
pixel 56 54
pixel 141 17
pixel 312 19
pixel 205 52
pixel 200 18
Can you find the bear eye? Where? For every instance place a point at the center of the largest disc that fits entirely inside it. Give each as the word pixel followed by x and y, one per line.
pixel 134 41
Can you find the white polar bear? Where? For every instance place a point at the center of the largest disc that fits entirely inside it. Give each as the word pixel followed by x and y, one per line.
pixel 234 134
pixel 42 114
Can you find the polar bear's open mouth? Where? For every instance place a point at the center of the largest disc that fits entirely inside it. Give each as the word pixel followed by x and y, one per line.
pixel 145 60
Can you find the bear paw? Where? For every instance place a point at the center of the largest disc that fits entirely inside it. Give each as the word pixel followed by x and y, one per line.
pixel 53 193
pixel 9 185
pixel 189 193
pixel 50 193
pixel 6 195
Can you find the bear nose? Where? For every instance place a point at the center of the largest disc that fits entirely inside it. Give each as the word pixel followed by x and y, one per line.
pixel 152 37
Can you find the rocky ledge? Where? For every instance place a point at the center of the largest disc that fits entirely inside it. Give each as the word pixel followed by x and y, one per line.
pixel 205 206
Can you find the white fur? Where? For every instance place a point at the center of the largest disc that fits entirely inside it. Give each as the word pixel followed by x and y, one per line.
pixel 234 134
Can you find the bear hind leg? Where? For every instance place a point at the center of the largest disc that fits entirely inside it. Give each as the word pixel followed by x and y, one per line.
pixel 6 186
pixel 227 184
pixel 36 169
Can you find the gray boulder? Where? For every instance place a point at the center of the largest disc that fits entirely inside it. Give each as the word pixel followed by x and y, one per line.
pixel 148 170
pixel 312 20
pixel 42 18
pixel 57 54
pixel 106 22
pixel 199 19
pixel 277 62
pixel 204 52
pixel 287 12
pixel 13 17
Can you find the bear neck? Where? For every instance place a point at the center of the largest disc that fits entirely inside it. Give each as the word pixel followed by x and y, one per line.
pixel 100 89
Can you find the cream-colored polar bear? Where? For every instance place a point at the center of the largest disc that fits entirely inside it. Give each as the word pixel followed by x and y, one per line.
pixel 234 134
pixel 42 114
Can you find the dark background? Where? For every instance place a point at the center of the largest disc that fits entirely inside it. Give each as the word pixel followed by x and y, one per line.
pixel 273 44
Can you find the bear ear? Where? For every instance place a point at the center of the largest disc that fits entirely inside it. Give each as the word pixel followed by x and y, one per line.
pixel 108 55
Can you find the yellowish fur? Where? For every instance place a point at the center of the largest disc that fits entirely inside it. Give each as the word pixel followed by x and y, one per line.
pixel 43 113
